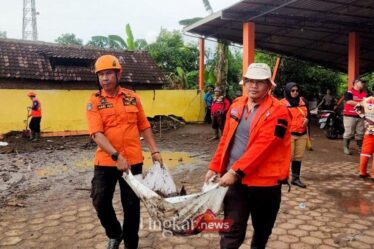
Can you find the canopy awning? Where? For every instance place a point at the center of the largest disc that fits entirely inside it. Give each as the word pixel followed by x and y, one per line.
pixel 312 30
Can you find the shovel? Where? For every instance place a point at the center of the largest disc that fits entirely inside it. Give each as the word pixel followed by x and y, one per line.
pixel 26 131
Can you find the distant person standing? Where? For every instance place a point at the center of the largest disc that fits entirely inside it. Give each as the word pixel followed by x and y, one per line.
pixel 298 107
pixel 328 101
pixel 220 105
pixel 353 123
pixel 36 116
pixel 208 99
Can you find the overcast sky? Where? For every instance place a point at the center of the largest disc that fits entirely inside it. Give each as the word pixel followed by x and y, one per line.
pixel 86 18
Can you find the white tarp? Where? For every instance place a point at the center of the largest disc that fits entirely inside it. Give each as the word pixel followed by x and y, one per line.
pixel 181 214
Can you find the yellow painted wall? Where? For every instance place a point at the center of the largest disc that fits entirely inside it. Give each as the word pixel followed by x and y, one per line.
pixel 64 110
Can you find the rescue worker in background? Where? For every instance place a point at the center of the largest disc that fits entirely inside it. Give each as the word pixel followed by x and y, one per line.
pixel 253 159
pixel 35 112
pixel 366 110
pixel 298 107
pixel 208 99
pixel 353 124
pixel 220 105
pixel 115 119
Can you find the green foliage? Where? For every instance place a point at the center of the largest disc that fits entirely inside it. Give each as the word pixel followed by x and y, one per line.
pixel 130 38
pixel 98 42
pixel 207 6
pixel 314 80
pixel 170 52
pixel 3 34
pixel 117 42
pixel 69 39
pixel 187 22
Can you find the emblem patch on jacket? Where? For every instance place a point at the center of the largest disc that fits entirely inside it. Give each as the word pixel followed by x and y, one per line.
pixel 234 114
pixel 89 107
pixel 128 100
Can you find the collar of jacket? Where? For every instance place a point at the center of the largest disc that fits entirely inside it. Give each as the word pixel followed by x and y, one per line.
pixel 264 106
pixel 121 91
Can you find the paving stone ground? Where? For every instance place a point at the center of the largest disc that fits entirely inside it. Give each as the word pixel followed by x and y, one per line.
pixel 336 210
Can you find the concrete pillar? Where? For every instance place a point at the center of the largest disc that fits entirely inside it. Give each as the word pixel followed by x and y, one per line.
pixel 248 45
pixel 353 57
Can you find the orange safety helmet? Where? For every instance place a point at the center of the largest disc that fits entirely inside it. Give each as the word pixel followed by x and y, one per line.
pixel 106 62
pixel 31 94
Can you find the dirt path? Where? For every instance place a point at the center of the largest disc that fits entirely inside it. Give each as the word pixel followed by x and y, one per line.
pixel 45 196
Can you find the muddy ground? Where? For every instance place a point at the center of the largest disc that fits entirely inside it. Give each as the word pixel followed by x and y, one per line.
pixel 56 172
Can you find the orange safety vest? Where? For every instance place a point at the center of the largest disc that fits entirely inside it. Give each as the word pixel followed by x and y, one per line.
pixel 121 119
pixel 266 160
pixel 38 112
pixel 298 114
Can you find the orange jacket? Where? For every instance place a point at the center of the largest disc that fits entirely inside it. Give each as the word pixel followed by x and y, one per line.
pixel 266 160
pixel 120 119
pixel 36 108
pixel 298 115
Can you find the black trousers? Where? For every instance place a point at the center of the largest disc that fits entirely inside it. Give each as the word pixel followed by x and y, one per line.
pixel 35 124
pixel 218 121
pixel 262 203
pixel 207 117
pixel 103 187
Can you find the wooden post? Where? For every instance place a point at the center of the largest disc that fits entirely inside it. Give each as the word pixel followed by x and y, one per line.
pixel 276 68
pixel 353 58
pixel 201 63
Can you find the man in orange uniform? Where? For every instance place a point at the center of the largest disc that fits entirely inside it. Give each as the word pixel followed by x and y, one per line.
pixel 36 116
pixel 366 110
pixel 253 159
pixel 115 120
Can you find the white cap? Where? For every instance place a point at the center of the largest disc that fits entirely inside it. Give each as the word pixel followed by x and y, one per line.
pixel 259 71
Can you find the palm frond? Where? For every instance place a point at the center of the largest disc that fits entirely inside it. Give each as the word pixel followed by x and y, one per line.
pixel 207 6
pixel 187 22
pixel 130 38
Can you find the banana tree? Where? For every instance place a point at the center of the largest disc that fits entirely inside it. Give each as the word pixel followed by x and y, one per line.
pixel 117 42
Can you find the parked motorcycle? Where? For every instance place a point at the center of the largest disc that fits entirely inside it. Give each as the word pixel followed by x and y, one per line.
pixel 331 123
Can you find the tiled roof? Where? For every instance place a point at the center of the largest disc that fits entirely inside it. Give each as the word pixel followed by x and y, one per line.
pixel 53 62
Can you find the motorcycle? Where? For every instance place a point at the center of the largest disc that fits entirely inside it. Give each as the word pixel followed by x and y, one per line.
pixel 331 123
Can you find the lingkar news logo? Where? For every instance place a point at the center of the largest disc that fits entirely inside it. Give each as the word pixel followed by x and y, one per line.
pixel 208 222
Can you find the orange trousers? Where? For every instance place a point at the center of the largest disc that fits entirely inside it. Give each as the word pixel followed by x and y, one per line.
pixel 367 152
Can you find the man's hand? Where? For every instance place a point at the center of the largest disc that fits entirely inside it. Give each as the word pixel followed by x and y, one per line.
pixel 209 175
pixel 122 164
pixel 156 157
pixel 228 179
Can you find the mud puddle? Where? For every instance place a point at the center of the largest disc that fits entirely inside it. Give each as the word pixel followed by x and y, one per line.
pixel 353 201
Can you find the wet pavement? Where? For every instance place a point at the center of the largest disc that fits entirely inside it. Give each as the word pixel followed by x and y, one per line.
pixel 336 210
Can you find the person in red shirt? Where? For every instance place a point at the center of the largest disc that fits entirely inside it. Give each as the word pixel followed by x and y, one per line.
pixel 353 123
pixel 253 158
pixel 36 116
pixel 220 105
pixel 115 121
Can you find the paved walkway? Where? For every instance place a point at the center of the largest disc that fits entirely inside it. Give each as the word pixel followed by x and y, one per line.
pixel 335 211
